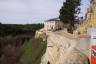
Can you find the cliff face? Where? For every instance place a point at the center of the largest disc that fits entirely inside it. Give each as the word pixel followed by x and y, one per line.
pixel 90 21
pixel 62 50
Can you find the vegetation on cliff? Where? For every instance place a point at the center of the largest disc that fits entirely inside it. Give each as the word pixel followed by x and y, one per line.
pixel 33 51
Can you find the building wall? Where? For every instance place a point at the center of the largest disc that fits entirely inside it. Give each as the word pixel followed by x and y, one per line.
pixel 59 25
pixel 53 25
pixel 49 25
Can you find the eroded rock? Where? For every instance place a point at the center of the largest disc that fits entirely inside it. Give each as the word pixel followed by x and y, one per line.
pixel 61 50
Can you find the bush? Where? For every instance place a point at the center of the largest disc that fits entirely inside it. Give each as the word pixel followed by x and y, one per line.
pixel 70 30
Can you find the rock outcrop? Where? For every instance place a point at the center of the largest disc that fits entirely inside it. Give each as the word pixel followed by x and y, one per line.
pixel 71 49
pixel 62 50
pixel 90 21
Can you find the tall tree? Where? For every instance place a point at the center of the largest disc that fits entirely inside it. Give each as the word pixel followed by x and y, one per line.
pixel 0 23
pixel 69 12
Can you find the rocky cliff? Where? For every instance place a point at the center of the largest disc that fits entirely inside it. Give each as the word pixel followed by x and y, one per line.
pixel 62 50
pixel 90 21
pixel 70 49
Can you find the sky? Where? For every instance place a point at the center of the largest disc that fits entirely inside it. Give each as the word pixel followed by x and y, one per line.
pixel 32 11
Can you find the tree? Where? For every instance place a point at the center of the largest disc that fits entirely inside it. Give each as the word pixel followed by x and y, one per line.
pixel 69 12
pixel 0 23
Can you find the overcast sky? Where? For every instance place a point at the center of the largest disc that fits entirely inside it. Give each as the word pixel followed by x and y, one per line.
pixel 31 11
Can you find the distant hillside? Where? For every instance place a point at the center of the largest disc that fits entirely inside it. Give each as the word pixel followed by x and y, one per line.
pixel 15 29
pixel 14 41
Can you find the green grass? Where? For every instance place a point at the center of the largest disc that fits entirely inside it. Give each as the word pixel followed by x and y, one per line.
pixel 33 51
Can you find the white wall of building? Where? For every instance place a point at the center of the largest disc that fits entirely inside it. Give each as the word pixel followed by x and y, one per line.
pixel 53 25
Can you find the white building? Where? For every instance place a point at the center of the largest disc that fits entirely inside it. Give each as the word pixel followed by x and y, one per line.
pixel 53 24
